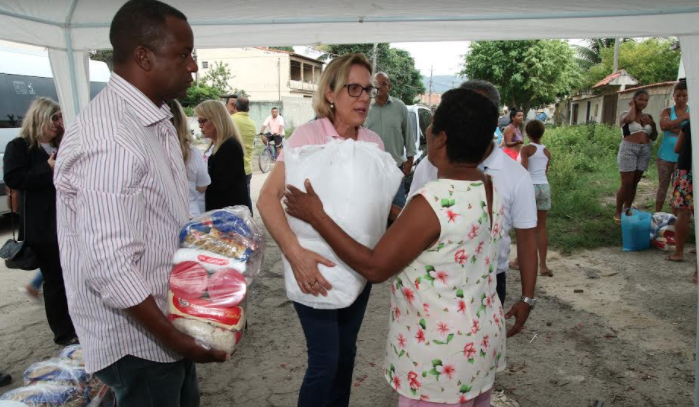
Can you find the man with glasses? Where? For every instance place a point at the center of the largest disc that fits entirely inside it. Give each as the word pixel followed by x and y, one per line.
pixel 388 117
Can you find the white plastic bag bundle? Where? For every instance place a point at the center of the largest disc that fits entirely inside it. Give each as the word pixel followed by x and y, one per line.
pixel 356 182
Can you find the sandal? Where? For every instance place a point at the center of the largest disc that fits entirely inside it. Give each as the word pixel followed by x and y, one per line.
pixel 513 265
pixel 617 220
pixel 669 258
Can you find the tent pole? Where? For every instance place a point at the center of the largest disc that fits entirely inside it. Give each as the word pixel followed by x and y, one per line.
pixel 690 55
pixel 71 67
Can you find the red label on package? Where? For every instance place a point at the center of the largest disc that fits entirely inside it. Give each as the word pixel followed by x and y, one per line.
pixel 203 309
pixel 212 260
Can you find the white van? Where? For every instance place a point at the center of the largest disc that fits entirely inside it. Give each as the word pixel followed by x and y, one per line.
pixel 25 75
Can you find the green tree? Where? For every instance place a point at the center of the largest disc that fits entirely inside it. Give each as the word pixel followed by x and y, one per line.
pixel 218 77
pixel 591 53
pixel 287 49
pixel 650 61
pixel 397 63
pixel 530 73
pixel 104 55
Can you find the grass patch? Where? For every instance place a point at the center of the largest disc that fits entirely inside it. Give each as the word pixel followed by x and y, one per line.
pixel 584 179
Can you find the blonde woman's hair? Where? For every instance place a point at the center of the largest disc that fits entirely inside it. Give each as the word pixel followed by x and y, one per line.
pixel 179 120
pixel 216 112
pixel 37 119
pixel 334 77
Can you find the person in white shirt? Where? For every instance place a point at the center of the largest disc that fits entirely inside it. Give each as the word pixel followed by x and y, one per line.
pixel 517 189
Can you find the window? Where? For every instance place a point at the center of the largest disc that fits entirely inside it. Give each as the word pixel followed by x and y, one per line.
pixel 295 74
pixel 205 65
pixel 308 73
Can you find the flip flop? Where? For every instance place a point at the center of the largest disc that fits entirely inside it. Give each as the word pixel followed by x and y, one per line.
pixel 669 258
pixel 513 266
pixel 617 220
pixel 546 274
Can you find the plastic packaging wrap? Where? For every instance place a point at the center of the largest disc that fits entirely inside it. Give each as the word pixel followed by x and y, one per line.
pixel 73 352
pixel 662 231
pixel 62 372
pixel 45 395
pixel 220 257
pixel 356 182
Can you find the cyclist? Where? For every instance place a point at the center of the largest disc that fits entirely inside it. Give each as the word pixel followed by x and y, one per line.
pixel 275 124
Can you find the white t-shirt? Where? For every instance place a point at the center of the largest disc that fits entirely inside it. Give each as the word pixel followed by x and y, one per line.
pixel 515 186
pixel 49 148
pixel 197 176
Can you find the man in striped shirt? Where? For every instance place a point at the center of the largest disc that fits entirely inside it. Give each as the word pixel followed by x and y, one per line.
pixel 122 199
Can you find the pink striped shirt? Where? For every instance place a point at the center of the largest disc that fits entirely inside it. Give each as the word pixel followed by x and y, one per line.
pixel 122 199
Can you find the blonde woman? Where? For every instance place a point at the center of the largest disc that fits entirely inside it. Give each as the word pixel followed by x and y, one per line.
pixel 197 173
pixel 28 168
pixel 341 103
pixel 225 157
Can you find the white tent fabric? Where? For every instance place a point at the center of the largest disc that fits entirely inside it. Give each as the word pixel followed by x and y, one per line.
pixel 69 28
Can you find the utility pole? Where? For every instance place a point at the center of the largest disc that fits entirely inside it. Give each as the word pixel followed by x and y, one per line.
pixel 616 55
pixel 374 59
pixel 429 98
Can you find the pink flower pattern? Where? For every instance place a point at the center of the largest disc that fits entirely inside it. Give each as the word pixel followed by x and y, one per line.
pixel 447 337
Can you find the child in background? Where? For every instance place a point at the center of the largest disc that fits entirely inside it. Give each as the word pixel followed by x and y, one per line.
pixel 535 157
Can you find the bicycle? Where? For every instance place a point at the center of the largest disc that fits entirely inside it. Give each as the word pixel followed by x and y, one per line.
pixel 267 155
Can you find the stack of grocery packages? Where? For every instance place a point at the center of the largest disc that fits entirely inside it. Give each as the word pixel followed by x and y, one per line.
pixel 60 382
pixel 219 257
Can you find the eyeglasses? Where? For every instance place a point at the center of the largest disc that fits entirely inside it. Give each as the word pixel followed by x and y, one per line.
pixel 355 90
pixel 202 121
pixel 56 117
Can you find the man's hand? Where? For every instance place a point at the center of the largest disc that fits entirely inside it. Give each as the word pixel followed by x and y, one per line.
pixel 407 166
pixel 197 352
pixel 521 313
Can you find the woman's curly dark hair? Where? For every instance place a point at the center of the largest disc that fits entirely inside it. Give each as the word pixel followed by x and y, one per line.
pixel 469 120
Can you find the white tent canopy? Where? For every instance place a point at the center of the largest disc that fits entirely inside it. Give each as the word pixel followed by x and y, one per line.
pixel 70 28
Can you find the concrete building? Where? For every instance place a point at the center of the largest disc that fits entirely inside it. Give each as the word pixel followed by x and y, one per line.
pixel 660 97
pixel 600 104
pixel 264 74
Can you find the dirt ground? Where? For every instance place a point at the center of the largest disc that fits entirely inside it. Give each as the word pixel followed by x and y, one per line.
pixel 627 339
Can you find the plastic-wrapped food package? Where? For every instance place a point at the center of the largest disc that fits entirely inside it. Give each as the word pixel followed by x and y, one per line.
pixel 220 257
pixel 10 403
pixel 48 395
pixel 356 182
pixel 62 372
pixel 73 352
pixel 662 231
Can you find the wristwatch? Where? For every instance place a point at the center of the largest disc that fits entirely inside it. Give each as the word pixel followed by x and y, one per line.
pixel 529 301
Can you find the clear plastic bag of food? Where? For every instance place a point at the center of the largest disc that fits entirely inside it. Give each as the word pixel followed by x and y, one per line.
pixel 230 233
pixel 62 372
pixel 48 395
pixel 73 352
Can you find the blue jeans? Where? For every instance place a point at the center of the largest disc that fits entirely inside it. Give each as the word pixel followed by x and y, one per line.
pixel 331 340
pixel 142 383
pixel 37 281
pixel 399 200
pixel 248 178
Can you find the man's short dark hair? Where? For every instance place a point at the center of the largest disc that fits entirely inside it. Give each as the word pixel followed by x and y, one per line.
pixel 242 104
pixel 477 85
pixel 229 97
pixel 275 108
pixel 140 22
pixel 469 120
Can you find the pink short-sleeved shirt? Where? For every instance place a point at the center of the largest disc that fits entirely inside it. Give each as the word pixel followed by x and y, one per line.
pixel 318 131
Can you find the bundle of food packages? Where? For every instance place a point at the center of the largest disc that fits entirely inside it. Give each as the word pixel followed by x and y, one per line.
pixel 219 257
pixel 61 382
pixel 662 231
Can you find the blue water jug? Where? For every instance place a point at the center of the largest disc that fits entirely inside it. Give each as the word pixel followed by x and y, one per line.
pixel 635 230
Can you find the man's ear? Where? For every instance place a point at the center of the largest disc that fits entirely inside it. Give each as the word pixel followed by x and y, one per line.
pixel 143 57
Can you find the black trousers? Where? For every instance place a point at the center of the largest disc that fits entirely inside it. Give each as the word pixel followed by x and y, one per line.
pixel 55 299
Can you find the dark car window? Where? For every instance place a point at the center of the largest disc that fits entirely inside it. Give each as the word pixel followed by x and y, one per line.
pixel 8 114
pixel 24 89
pixel 425 121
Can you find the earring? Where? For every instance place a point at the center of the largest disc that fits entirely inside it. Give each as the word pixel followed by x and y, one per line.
pixel 332 105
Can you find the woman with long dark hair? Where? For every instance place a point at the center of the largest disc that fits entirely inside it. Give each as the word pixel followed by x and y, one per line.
pixel 28 168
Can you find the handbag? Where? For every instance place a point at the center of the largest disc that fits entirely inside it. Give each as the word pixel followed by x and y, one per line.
pixel 17 255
